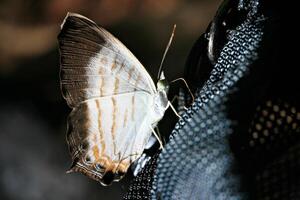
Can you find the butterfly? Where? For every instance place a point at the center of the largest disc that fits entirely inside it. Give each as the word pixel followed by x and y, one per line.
pixel 115 104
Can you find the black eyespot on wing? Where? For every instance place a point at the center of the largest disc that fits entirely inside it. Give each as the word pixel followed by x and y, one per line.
pixel 108 178
pixel 87 159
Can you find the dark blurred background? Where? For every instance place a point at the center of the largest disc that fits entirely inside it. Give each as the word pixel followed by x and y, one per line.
pixel 33 151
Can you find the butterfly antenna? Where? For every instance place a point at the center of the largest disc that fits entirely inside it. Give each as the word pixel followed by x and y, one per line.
pixel 166 51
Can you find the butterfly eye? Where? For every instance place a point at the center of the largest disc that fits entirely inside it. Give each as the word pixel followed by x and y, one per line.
pixel 99 167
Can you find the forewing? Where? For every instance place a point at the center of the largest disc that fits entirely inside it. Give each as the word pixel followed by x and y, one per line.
pixel 110 131
pixel 95 64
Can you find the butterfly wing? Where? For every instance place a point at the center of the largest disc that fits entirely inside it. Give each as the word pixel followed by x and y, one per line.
pixel 95 64
pixel 105 136
pixel 110 93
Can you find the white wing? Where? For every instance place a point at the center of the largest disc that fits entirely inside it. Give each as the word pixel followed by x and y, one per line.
pixel 94 63
pixel 113 135
pixel 112 99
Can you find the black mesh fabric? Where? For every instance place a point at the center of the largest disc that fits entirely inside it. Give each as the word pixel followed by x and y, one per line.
pixel 141 186
pixel 203 166
pixel 240 137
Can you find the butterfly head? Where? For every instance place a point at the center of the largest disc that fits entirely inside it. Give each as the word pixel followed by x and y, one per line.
pixel 161 98
pixel 162 84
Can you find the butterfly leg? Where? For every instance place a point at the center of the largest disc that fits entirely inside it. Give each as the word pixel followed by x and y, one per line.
pixel 186 85
pixel 176 97
pixel 157 137
pixel 160 135
pixel 172 107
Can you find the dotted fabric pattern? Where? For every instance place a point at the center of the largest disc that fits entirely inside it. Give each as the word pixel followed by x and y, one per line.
pixel 273 144
pixel 275 125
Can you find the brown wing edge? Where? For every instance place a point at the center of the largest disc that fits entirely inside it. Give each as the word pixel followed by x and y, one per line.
pixel 78 42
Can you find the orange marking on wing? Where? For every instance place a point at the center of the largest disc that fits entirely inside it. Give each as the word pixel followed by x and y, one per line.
pixel 130 73
pixel 137 81
pixel 121 66
pixel 102 86
pixel 101 132
pixel 96 152
pixel 114 123
pixel 103 61
pixel 114 65
pixel 117 83
pixel 123 166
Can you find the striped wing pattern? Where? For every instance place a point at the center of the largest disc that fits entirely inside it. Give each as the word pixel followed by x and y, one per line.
pixel 93 62
pixel 111 95
pixel 110 134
